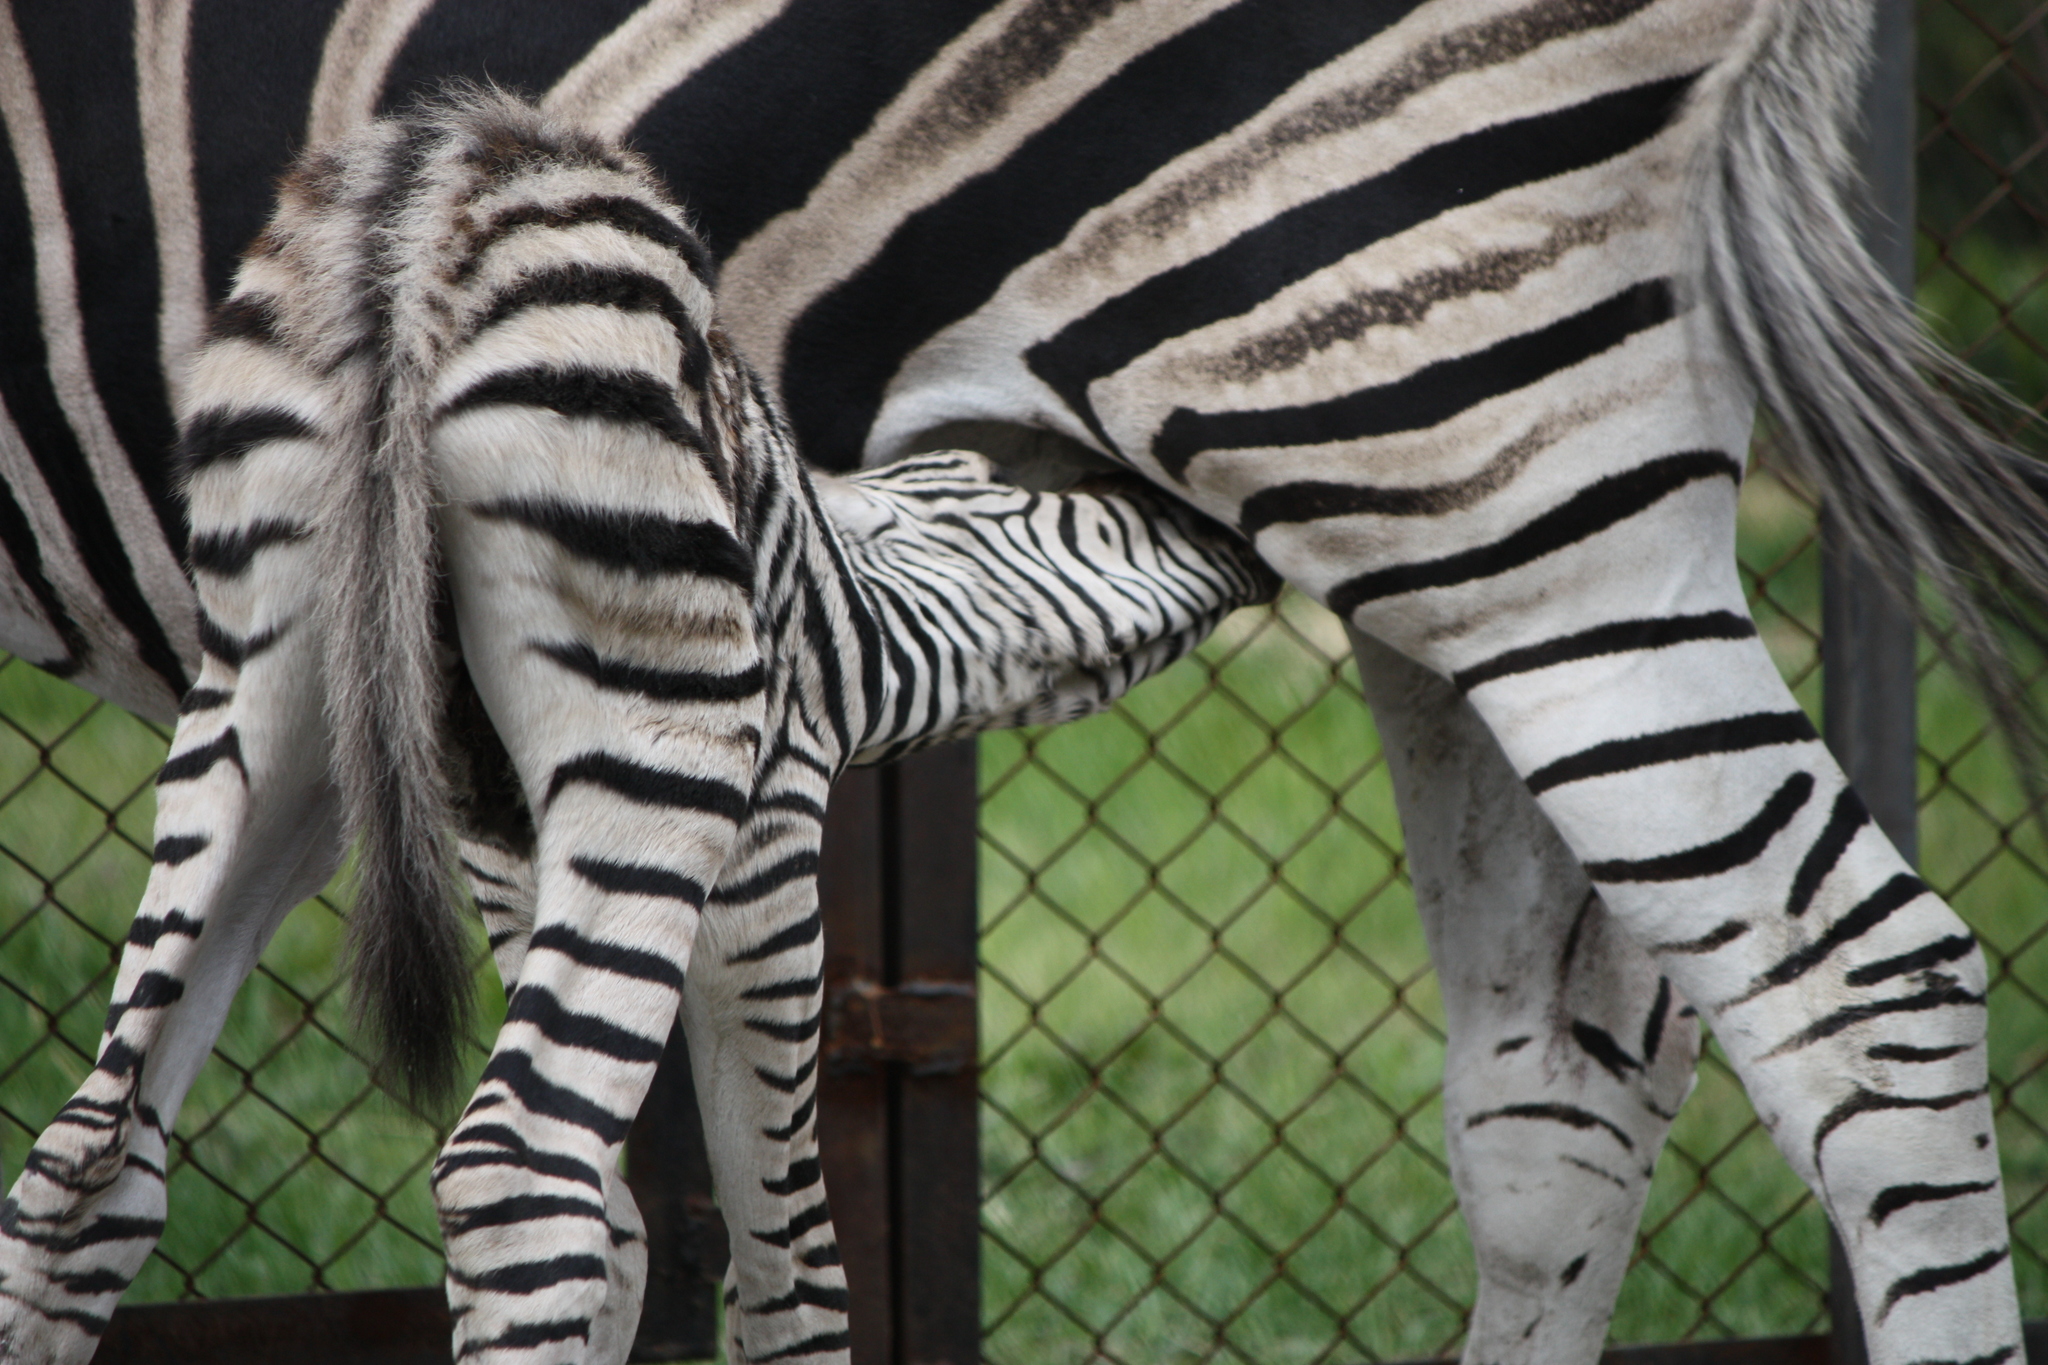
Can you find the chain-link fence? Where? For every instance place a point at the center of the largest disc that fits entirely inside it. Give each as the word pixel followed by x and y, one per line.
pixel 1211 1039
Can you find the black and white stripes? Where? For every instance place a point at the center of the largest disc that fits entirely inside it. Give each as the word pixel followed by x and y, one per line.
pixel 1456 308
pixel 666 652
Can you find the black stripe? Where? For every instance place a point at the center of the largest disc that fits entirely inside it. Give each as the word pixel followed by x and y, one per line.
pixel 1591 510
pixel 793 988
pixel 817 1256
pixel 801 1031
pixel 1622 637
pixel 94 141
pixel 223 434
pixel 1599 1044
pixel 94 124
pixel 1569 1115
pixel 658 684
pixel 518 1208
pixel 805 930
pixel 145 930
pixel 230 648
pixel 1653 1027
pixel 580 391
pixel 945 261
pixel 1933 955
pixel 25 552
pixel 821 1344
pixel 1902 890
pixel 801 1175
pixel 609 957
pixel 528 1277
pixel 600 286
pixel 511 1150
pixel 637 879
pixel 197 762
pixel 526 1335
pixel 649 786
pixel 1848 816
pixel 630 216
pixel 1296 243
pixel 100 1281
pixel 245 317
pixel 800 1116
pixel 173 849
pixel 805 1294
pixel 1906 1052
pixel 1671 746
pixel 816 1216
pixel 538 1006
pixel 1435 393
pixel 1828 1025
pixel 645 543
pixel 796 867
pixel 1893 1198
pixel 1721 855
pixel 480 875
pixel 1939 1277
pixel 1865 1101
pixel 229 553
pixel 1719 937
pixel 154 990
pixel 788 1084
pixel 204 699
pixel 540 1096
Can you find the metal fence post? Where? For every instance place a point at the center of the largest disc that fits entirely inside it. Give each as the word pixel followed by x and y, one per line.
pixel 1867 644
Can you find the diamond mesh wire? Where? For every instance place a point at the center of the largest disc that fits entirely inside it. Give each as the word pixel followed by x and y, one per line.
pixel 1211 1038
pixel 289 1171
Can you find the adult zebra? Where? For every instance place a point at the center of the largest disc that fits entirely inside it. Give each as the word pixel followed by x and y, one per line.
pixel 1404 290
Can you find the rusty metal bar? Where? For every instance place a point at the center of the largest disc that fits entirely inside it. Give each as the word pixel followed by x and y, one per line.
pixel 854 1096
pixel 368 1327
pixel 932 883
pixel 1869 685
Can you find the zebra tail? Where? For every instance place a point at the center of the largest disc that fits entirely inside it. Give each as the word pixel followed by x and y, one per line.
pixel 1867 401
pixel 388 679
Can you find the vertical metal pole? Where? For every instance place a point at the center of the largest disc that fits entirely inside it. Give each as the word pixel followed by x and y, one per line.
pixel 1867 637
pixel 932 879
pixel 854 1109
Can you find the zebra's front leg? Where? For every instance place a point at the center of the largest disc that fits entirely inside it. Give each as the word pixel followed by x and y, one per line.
pixel 1551 1009
pixel 247 826
pixel 752 1012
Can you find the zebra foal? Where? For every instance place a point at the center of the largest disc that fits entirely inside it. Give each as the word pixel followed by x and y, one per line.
pixel 478 343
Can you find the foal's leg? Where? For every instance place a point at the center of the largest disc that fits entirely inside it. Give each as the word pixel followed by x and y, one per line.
pixel 1551 1010
pixel 247 826
pixel 638 783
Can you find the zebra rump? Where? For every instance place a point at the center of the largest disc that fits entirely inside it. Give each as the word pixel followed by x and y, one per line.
pixel 1858 386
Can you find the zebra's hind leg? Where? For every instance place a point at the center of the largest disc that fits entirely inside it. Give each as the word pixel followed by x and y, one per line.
pixel 1551 1010
pixel 1849 997
pixel 247 826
